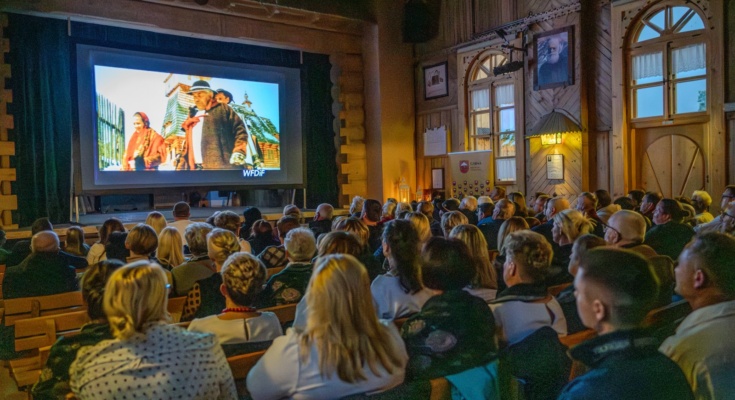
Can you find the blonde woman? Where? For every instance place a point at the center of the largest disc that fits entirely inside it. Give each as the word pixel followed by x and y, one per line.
pixel 205 298
pixel 157 221
pixel 170 252
pixel 450 220
pixel 468 207
pixel 484 283
pixel 148 357
pixel 337 354
pixel 568 226
pixel 243 276
pixel 422 226
pixel 510 225
pixel 356 226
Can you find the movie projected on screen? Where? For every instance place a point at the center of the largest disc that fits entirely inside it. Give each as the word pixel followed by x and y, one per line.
pixel 155 121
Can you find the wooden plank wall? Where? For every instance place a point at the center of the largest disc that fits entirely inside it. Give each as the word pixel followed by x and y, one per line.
pixel 424 165
pixel 8 201
pixel 571 149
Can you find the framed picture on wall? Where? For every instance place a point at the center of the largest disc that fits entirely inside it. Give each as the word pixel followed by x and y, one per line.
pixel 554 52
pixel 435 81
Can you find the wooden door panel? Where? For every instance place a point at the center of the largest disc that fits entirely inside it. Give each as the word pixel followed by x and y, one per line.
pixel 672 165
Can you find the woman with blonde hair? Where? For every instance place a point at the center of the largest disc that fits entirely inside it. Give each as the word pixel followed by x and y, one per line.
pixel 356 226
pixel 75 242
pixel 520 202
pixel 484 283
pixel 568 226
pixel 148 358
pixel 510 225
pixel 468 207
pixel 337 354
pixel 157 221
pixel 97 251
pixel 450 220
pixel 170 252
pixel 243 277
pixel 421 224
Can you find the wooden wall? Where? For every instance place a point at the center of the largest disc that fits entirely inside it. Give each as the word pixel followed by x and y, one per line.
pixel 8 201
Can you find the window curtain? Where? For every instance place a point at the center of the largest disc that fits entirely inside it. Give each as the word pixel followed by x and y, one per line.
pixel 505 169
pixel 480 99
pixel 689 58
pixel 504 95
pixel 648 66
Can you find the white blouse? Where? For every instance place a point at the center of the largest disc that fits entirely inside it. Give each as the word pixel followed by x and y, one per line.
pixel 233 331
pixel 96 254
pixel 515 320
pixel 392 301
pixel 165 362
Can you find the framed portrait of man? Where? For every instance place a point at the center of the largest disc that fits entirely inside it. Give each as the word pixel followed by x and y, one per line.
pixel 554 52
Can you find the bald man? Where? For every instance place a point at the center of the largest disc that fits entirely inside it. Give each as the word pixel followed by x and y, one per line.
pixel 44 272
pixel 322 222
pixel 553 206
pixel 627 229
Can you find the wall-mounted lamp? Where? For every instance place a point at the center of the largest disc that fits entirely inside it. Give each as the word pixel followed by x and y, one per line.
pixel 552 126
pixel 551 138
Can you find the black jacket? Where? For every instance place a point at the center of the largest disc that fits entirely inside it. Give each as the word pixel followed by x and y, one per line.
pixel 40 274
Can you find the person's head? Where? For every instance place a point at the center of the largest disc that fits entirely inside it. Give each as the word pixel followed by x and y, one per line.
pixel 554 48
pixel 625 227
pixel 468 203
pixel 223 96
pixel 451 204
pixel 603 198
pixel 142 240
pixel 40 225
pixel 569 225
pixel 450 220
pixel 141 121
pixel 135 295
pixel 243 276
pixel 701 201
pixel 615 289
pixel 649 202
pixel 371 211
pixel 388 211
pixel 156 220
pixel 251 214
pixel 727 219
pixel 356 205
pixel 484 199
pixel 93 286
pixel 484 275
pixel 356 226
pixel 115 248
pixel 293 211
pixel 637 196
pixel 45 242
pixel 340 242
pixel 403 207
pixel 485 210
pixel 339 290
pixel 262 229
pixel 527 258
pixel 170 247
pixel 540 203
pixel 705 274
pixel 426 208
pixel 555 205
pixel 228 220
pixel 728 196
pixel 181 210
pixel 504 209
pixel 510 225
pixel 497 193
pixel 519 201
pixel 626 203
pixel 668 210
pixel 300 245
pixel 285 224
pixel 586 202
pixel 75 240
pixel 401 248
pixel 202 93
pixel 221 243
pixel 421 224
pixel 580 248
pixel 324 211
pixel 210 219
pixel 446 264
pixel 196 237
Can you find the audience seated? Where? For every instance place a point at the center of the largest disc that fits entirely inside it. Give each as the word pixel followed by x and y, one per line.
pixel 97 251
pixel 627 230
pixel 250 215
pixel 670 235
pixel 74 243
pixel 230 221
pixel 371 211
pixel 205 297
pixel 44 272
pixel 142 243
pixel 605 207
pixel 615 290
pixel 451 219
pixel 400 292
pixel 703 345
pixel 170 251
pixel 512 224
pixel 157 221
pixel 261 236
pixel 587 205
pixel 728 197
pixel 539 205
pixel 566 297
pixel 275 256
pixel 484 281
pixel 346 356
pixel 498 193
pixel 648 205
pixel 568 226
pixel 322 222
pixel 637 195
pixel 485 212
pixel 115 248
pixel 22 248
pixel 356 206
pixel 403 207
pixel 525 305
pixel 421 224
pixel 519 201
pixel 292 210
pixel 427 208
pixel 553 207
pixel 468 207
pixel 701 201
pixel 198 266
pixel 181 212
pixel 388 212
pixel 148 357
pixel 289 285
pixel 54 381
pixel 727 219
pixel 243 277
pixel 625 203
pixel 454 329
pixel 504 209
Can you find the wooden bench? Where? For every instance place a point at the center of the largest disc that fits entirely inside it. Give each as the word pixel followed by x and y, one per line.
pixel 176 307
pixel 272 271
pixel 241 366
pixel 31 307
pixel 286 313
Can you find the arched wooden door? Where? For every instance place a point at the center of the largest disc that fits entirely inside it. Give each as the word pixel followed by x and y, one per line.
pixel 671 160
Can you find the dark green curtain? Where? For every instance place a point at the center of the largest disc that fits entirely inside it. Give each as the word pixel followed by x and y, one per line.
pixel 42 57
pixel 42 113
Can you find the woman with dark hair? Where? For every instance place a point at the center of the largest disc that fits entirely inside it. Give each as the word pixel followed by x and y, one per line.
pixel 54 380
pixel 400 291
pixel 75 242
pixel 670 234
pixel 250 215
pixel 145 148
pixel 97 252
pixel 261 236
pixel 454 331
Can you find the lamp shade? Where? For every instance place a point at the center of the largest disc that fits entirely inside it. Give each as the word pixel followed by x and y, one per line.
pixel 553 123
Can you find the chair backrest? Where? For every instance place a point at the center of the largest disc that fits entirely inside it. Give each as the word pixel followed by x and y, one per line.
pixel 286 313
pixel 241 364
pixel 34 333
pixel 556 289
pixel 663 321
pixel 272 271
pixel 176 307
pixel 31 307
pixel 577 338
pixel 441 389
pixel 663 267
pixel 2 276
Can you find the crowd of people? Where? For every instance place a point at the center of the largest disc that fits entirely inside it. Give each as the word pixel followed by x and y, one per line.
pixel 469 281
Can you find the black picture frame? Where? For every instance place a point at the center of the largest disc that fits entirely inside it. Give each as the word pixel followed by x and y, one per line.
pixel 435 81
pixel 548 74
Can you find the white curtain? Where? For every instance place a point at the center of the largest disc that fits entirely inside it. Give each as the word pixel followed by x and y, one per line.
pixel 648 65
pixel 689 58
pixel 505 169
pixel 504 95
pixel 481 99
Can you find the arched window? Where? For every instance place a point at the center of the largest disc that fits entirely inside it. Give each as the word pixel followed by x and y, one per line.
pixel 668 64
pixel 492 115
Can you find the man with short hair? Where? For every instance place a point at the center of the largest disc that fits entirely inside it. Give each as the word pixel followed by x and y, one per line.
pixel 181 213
pixel 701 201
pixel 22 248
pixel 44 272
pixel 198 266
pixel 703 345
pixel 648 205
pixel 587 205
pixel 626 230
pixel 289 285
pixel 615 290
pixel 371 212
pixel 498 193
pixel 485 213
pixel 275 256
pixel 553 207
pixel 727 221
pixel 728 197
pixel 539 204
pixel 322 222
pixel 504 209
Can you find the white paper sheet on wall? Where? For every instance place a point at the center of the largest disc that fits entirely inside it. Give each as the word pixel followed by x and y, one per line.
pixel 435 141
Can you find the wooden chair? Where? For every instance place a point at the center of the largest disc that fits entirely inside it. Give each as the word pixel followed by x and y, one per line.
pixel 272 271
pixel 441 389
pixel 556 289
pixel 286 313
pixel 240 366
pixel 400 321
pixel 2 276
pixel 176 307
pixel 572 340
pixel 31 307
